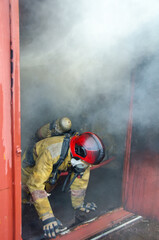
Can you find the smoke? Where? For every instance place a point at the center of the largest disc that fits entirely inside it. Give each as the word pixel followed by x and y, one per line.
pixel 77 58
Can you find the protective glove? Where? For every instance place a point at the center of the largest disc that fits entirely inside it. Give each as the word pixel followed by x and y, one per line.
pixel 51 227
pixel 88 207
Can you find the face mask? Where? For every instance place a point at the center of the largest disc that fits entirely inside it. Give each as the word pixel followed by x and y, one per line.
pixel 78 164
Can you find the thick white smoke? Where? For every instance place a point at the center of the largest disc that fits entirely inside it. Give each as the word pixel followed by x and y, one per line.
pixel 77 57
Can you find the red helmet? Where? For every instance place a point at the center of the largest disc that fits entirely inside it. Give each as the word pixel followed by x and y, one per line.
pixel 88 147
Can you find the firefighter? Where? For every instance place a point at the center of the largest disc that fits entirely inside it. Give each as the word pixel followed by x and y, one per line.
pixel 53 155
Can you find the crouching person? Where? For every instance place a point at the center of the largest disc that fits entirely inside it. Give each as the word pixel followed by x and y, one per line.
pixel 53 155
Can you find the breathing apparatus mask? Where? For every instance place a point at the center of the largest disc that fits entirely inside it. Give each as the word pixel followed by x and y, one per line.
pixel 78 167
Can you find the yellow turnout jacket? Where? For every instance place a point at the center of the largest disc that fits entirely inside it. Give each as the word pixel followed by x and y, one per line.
pixel 46 153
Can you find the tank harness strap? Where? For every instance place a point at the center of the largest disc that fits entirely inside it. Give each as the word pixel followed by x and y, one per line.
pixel 64 152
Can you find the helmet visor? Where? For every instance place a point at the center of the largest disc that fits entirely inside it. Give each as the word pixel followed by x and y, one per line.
pixel 79 150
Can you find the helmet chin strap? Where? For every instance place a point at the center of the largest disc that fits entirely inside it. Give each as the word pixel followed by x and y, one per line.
pixel 78 167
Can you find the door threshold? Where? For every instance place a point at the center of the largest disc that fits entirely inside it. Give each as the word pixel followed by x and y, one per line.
pixel 97 225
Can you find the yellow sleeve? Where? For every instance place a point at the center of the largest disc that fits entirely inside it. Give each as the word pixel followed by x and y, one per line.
pixel 36 184
pixel 78 189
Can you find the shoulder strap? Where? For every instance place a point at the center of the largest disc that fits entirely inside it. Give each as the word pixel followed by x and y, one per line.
pixel 64 152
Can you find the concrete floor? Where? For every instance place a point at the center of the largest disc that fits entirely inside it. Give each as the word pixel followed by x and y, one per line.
pixel 141 230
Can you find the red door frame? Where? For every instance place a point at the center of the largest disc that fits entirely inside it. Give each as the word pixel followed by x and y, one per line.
pixel 16 131
pixel 6 190
pixel 128 142
pixel 10 160
pixel 141 173
pixel 81 232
